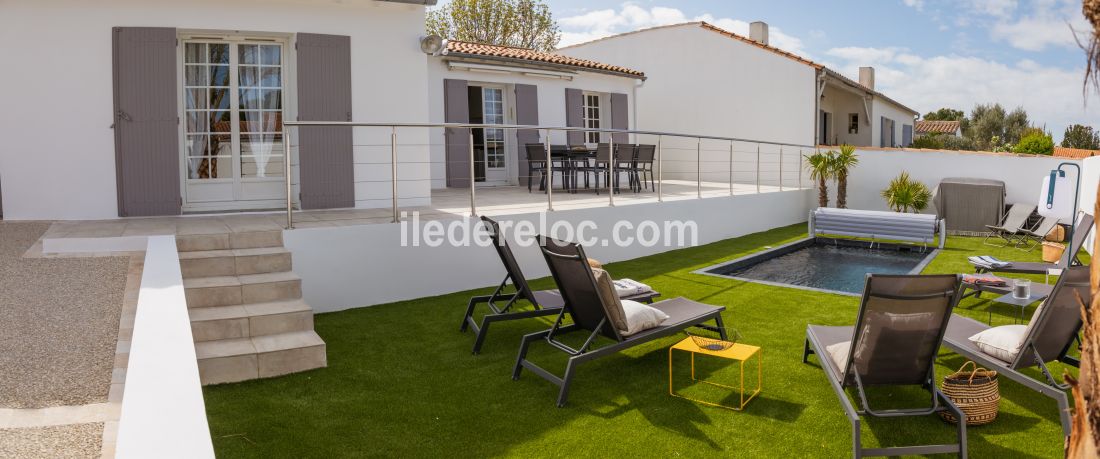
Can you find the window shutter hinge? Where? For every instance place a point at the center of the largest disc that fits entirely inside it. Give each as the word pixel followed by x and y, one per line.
pixel 177 42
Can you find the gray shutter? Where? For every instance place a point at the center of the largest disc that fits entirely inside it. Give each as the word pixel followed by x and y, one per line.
pixel 527 112
pixel 456 109
pixel 906 135
pixel 620 118
pixel 325 159
pixel 882 133
pixel 574 115
pixel 146 121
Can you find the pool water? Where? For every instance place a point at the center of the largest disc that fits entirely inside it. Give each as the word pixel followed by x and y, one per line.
pixel 822 265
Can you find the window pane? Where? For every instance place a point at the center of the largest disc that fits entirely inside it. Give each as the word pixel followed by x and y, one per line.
pixel 272 77
pixel 195 75
pixel 273 99
pixel 194 53
pixel 273 121
pixel 261 155
pixel 197 122
pixel 219 75
pixel 247 54
pixel 219 53
pixel 250 99
pixel 219 122
pixel 249 76
pixel 219 98
pixel 272 54
pixel 195 98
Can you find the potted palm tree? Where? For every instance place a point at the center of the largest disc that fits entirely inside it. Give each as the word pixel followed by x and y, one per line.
pixel 905 194
pixel 842 161
pixel 820 166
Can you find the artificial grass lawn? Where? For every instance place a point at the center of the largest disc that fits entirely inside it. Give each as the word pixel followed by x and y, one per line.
pixel 401 382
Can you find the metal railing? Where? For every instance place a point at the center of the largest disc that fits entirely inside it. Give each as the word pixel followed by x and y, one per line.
pixel 548 175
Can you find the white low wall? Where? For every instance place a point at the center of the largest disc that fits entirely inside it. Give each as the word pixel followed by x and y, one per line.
pixel 1022 174
pixel 163 413
pixel 353 266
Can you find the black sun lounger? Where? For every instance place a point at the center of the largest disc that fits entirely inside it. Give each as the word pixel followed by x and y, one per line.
pixel 897 335
pixel 575 279
pixel 1050 335
pixel 1081 230
pixel 544 302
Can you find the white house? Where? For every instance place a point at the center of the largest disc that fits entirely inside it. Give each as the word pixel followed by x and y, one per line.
pixel 703 79
pixel 475 83
pixel 156 107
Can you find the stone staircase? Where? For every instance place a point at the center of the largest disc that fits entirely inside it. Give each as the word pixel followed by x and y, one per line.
pixel 247 314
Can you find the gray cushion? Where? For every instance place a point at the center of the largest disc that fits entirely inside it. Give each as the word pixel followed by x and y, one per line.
pixel 610 299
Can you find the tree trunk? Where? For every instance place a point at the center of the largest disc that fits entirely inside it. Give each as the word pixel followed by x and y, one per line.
pixel 842 190
pixel 822 192
pixel 1084 441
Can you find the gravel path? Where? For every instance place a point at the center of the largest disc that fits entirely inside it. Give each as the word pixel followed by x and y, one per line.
pixel 71 441
pixel 58 323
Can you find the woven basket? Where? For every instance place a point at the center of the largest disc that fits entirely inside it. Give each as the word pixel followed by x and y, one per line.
pixel 975 392
pixel 1052 251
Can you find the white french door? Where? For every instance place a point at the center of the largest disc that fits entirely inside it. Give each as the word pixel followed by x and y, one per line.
pixel 232 148
pixel 493 142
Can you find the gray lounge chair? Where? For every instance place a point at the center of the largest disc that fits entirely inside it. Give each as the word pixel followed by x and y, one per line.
pixel 577 283
pixel 897 335
pixel 545 302
pixel 1010 227
pixel 1081 230
pixel 1051 335
pixel 1030 238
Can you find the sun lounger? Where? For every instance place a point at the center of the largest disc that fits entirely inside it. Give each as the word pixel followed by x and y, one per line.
pixel 1031 238
pixel 578 286
pixel 1049 336
pixel 1014 222
pixel 1081 231
pixel 898 331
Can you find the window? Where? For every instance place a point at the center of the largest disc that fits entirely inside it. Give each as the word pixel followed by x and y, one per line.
pixel 853 123
pixel 592 117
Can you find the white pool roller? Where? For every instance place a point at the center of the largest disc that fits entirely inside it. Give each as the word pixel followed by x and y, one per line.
pixel 877 225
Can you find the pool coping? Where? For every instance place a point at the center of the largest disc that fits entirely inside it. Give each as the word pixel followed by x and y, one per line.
pixel 791 247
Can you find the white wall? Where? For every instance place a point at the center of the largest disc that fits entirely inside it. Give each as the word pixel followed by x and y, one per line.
pixel 57 159
pixel 163 414
pixel 881 108
pixel 702 82
pixel 353 266
pixel 841 104
pixel 1022 174
pixel 551 100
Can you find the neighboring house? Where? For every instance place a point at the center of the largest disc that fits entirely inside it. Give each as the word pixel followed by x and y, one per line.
pixel 1074 153
pixel 937 127
pixel 476 83
pixel 866 117
pixel 706 80
pixel 135 108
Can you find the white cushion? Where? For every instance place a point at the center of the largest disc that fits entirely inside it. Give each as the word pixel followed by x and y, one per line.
pixel 1001 342
pixel 641 317
pixel 839 353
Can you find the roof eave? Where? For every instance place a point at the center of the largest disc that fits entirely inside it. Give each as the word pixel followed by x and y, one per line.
pixel 551 65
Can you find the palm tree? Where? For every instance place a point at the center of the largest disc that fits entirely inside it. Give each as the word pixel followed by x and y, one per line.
pixel 904 194
pixel 842 162
pixel 820 165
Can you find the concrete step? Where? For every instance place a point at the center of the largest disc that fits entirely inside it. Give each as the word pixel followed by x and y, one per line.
pixel 240 359
pixel 232 262
pixel 256 239
pixel 228 240
pixel 204 292
pixel 250 320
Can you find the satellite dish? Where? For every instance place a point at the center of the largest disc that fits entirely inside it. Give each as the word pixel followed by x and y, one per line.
pixel 432 44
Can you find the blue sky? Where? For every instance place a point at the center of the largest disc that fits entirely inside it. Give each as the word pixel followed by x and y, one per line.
pixel 927 53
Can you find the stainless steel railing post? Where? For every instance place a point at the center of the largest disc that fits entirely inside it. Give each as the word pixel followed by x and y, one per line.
pixel 757 168
pixel 610 170
pixel 780 168
pixel 731 168
pixel 286 172
pixel 800 169
pixel 698 168
pixel 660 169
pixel 393 170
pixel 473 205
pixel 548 173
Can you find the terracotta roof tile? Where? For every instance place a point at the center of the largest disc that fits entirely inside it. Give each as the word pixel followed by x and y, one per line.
pixel 936 127
pixel 455 47
pixel 1077 153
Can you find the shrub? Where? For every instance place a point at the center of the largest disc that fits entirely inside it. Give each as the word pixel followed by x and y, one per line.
pixel 1037 143
pixel 958 143
pixel 929 141
pixel 905 194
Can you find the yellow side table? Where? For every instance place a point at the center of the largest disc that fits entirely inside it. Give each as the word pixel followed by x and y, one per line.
pixel 739 352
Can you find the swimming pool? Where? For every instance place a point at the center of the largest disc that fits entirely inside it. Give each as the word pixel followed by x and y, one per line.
pixel 825 264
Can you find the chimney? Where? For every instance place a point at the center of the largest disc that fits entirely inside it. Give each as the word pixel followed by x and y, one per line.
pixel 758 32
pixel 867 77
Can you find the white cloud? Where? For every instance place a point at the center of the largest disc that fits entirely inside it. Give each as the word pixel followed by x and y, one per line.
pixel 1052 96
pixel 998 8
pixel 1035 33
pixel 915 4
pixel 602 23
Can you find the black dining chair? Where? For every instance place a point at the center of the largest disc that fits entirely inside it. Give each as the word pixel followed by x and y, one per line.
pixel 536 163
pixel 643 165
